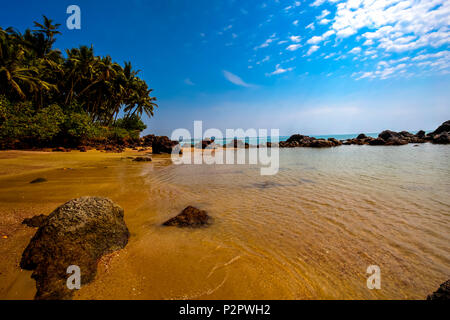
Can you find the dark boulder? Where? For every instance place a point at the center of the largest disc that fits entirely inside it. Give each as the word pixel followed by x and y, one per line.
pixel 377 142
pixel 442 138
pixel 442 293
pixel 77 233
pixel 420 134
pixel 142 159
pixel 396 142
pixel 335 142
pixel 38 180
pixel 321 143
pixel 36 221
pixel 388 134
pixel 361 136
pixel 190 217
pixel 393 138
pixel 406 134
pixel 445 127
pixel 163 144
pixel 296 137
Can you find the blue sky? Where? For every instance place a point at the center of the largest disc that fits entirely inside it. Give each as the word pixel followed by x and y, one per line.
pixel 314 67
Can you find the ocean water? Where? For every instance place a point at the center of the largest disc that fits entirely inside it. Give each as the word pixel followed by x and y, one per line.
pixel 308 232
pixel 263 140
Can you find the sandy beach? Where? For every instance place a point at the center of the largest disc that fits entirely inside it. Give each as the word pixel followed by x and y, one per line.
pixel 308 232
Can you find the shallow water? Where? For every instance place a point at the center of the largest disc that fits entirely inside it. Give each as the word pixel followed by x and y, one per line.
pixel 309 232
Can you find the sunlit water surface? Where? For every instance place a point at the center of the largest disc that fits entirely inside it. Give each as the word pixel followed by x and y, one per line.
pixel 308 232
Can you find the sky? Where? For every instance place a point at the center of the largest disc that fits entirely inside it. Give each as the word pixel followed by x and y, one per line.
pixel 313 67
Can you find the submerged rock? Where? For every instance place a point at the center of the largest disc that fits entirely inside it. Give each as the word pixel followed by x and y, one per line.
pixel 190 217
pixel 77 233
pixel 442 293
pixel 142 159
pixel 36 221
pixel 38 180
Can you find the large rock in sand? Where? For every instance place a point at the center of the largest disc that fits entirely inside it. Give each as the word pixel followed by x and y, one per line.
pixel 77 233
pixel 442 293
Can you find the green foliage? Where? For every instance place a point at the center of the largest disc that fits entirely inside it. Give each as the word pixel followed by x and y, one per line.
pixel 132 122
pixel 47 98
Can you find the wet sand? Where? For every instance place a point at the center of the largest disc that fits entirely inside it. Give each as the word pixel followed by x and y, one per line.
pixel 309 232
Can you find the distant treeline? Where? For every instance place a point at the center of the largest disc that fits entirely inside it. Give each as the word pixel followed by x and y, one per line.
pixel 48 99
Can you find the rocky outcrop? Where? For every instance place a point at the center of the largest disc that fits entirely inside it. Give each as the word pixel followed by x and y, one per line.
pixel 299 140
pixel 442 138
pixel 163 144
pixel 190 217
pixel 77 233
pixel 36 221
pixel 445 127
pixel 442 293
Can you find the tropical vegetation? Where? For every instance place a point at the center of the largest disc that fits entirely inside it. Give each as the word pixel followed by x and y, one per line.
pixel 51 98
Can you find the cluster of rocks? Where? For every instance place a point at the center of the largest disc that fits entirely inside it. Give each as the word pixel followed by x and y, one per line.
pixel 440 136
pixel 386 138
pixel 299 140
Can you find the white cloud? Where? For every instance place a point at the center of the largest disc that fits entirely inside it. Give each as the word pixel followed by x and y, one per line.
pixel 279 70
pixel 317 3
pixel 310 26
pixel 312 49
pixel 355 50
pixel 267 42
pixel 399 25
pixel 293 47
pixel 295 23
pixel 324 21
pixel 315 40
pixel 236 79
pixel 323 14
pixel 295 38
pixel 318 39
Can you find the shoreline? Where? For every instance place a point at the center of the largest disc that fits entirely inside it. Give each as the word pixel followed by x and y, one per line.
pixel 150 195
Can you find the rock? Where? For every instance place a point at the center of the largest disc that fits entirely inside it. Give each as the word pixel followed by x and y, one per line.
pixel 163 145
pixel 296 137
pixel 142 159
pixel 335 142
pixel 420 134
pixel 190 217
pixel 38 180
pixel 442 138
pixel 60 149
pixel 361 136
pixel 406 134
pixel 442 293
pixel 393 138
pixel 82 149
pixel 77 233
pixel 445 127
pixel 377 142
pixel 320 143
pixel 388 134
pixel 396 142
pixel 36 221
